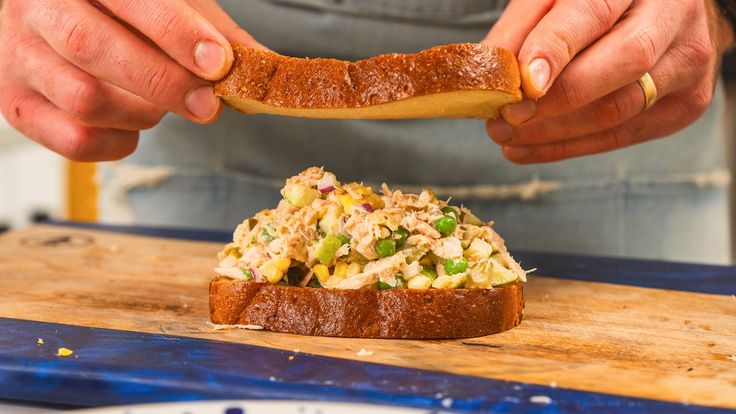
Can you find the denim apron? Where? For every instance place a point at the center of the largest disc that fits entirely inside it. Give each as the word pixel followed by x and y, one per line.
pixel 665 199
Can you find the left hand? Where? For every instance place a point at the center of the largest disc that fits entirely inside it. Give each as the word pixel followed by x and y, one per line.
pixel 580 60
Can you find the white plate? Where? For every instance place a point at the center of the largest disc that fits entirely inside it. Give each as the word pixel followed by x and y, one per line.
pixel 251 407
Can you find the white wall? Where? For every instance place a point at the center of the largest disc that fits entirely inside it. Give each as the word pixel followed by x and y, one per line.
pixel 31 178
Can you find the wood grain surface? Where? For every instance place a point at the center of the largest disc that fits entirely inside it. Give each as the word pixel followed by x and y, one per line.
pixel 639 342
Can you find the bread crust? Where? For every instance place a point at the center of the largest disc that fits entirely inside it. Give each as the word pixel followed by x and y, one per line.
pixel 260 78
pixel 367 313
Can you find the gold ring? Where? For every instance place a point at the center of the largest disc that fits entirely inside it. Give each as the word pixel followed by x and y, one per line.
pixel 650 90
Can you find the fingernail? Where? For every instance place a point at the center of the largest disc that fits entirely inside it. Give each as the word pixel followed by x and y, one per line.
pixel 210 58
pixel 521 112
pixel 500 131
pixel 539 73
pixel 517 153
pixel 202 103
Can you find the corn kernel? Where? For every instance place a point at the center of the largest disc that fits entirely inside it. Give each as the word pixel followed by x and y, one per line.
pixel 341 270
pixel 274 269
pixel 322 272
pixel 419 282
pixel 346 200
pixel 354 269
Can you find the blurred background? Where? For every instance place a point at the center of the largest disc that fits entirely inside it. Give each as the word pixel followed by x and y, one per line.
pixel 37 185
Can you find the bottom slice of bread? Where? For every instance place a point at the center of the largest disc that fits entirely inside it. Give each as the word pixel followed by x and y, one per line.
pixel 367 313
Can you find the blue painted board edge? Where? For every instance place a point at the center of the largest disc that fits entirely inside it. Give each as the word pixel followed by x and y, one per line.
pixel 112 367
pixel 690 277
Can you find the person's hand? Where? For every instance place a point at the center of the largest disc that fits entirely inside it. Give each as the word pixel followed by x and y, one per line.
pixel 580 60
pixel 83 78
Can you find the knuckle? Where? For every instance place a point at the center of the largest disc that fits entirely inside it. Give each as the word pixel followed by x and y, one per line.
pixel 567 94
pixel 603 11
pixel 701 53
pixel 84 101
pixel 157 82
pixel 699 101
pixel 170 24
pixel 78 144
pixel 645 52
pixel 611 111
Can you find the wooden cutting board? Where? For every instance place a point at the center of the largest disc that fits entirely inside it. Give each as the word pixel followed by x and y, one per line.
pixel 641 342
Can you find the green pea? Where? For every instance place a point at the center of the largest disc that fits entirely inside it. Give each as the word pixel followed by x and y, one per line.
pixel 385 247
pixel 343 238
pixel 449 211
pixel 446 225
pixel 453 267
pixel 400 235
pixel 429 272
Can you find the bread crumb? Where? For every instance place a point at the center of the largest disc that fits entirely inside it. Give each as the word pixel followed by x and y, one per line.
pixel 731 357
pixel 219 327
pixel 540 399
pixel 272 378
pixel 553 384
pixel 40 341
pixel 438 395
pixel 64 352
pixel 295 350
pixel 364 352
pixel 291 357
pixel 446 402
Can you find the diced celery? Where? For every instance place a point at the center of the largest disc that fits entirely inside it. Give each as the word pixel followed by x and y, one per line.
pixel 327 249
pixel 299 195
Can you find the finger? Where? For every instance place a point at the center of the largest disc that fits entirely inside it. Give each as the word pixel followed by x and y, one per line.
pixel 77 93
pixel 99 45
pixel 569 27
pixel 602 114
pixel 517 20
pixel 618 59
pixel 227 26
pixel 180 31
pixel 665 118
pixel 37 118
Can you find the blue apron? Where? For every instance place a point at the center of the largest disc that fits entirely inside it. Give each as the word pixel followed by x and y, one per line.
pixel 664 199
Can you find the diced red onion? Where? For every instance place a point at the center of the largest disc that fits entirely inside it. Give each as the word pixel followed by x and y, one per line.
pixel 368 207
pixel 326 183
pixel 256 274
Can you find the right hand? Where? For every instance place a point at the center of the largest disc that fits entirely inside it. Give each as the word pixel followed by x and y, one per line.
pixel 83 78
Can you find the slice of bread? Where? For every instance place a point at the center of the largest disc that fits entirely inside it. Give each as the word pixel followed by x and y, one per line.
pixel 468 80
pixel 367 313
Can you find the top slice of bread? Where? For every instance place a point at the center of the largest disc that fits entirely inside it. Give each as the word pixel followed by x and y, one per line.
pixel 467 80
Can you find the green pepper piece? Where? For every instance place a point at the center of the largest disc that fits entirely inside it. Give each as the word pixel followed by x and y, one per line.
pixel 343 238
pixel 327 249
